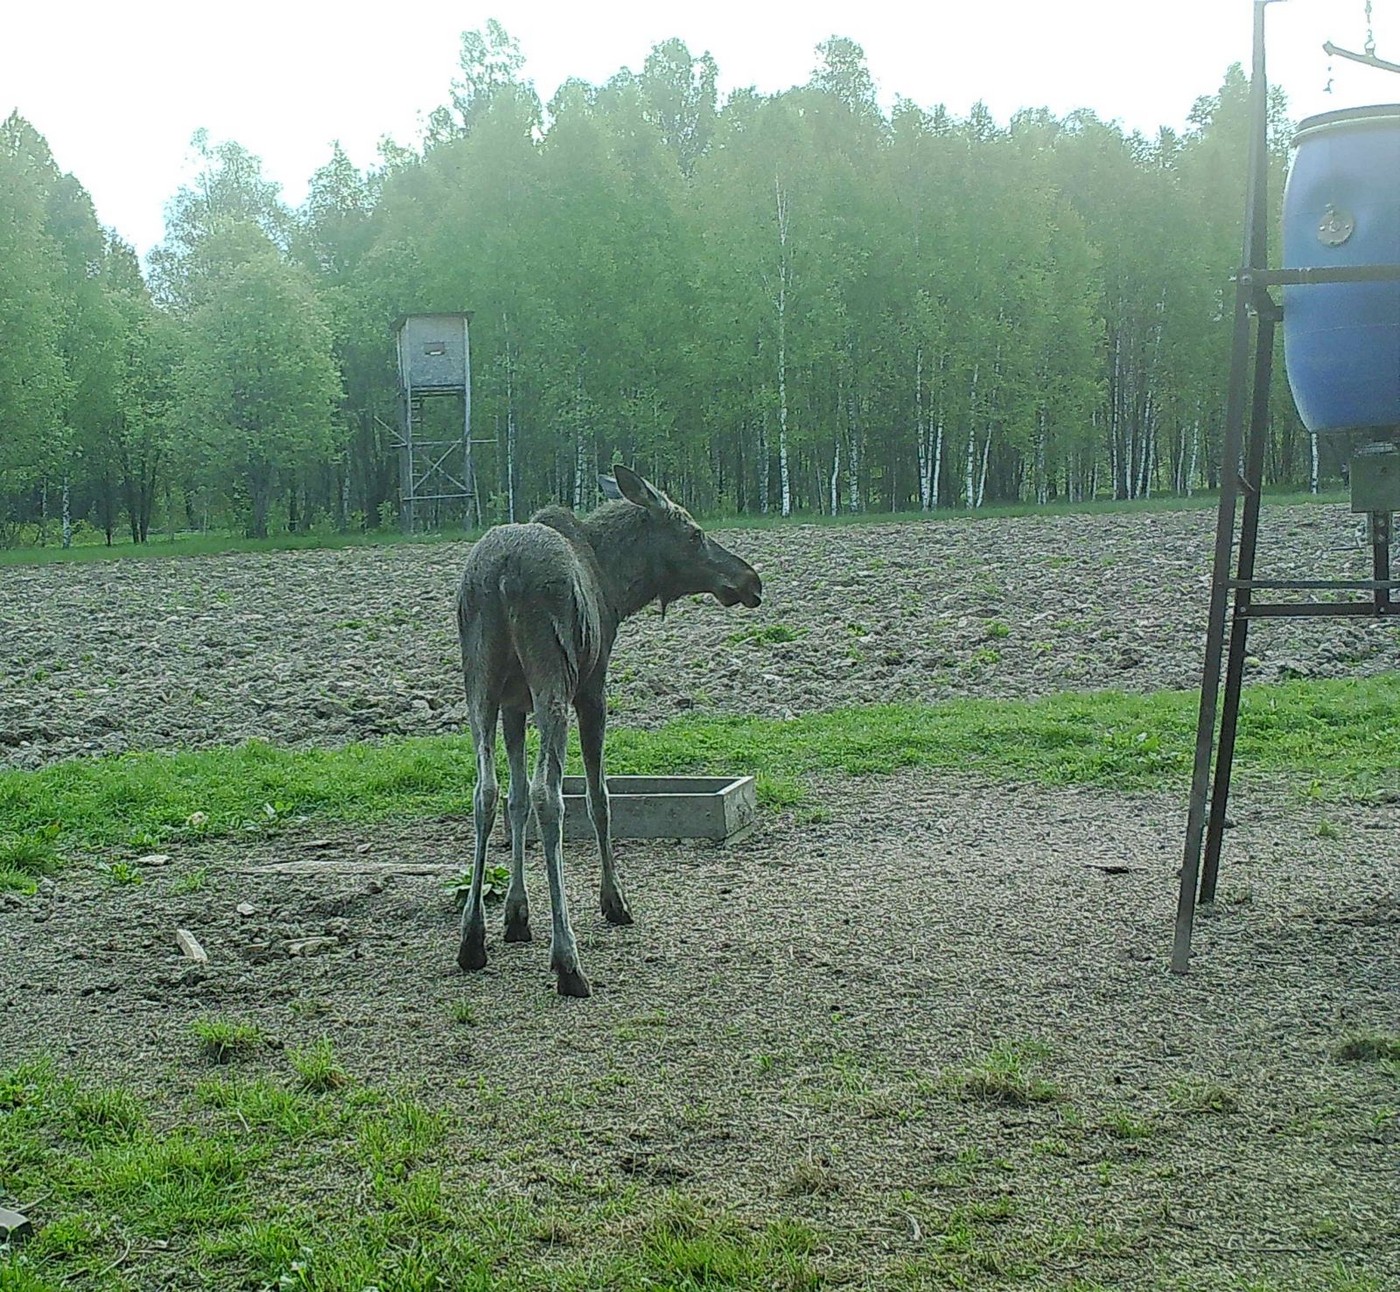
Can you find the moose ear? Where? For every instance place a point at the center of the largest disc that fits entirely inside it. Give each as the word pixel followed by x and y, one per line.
pixel 639 491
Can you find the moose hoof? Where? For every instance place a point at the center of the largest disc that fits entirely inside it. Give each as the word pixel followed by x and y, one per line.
pixel 519 930
pixel 573 983
pixel 618 914
pixel 471 955
pixel 615 909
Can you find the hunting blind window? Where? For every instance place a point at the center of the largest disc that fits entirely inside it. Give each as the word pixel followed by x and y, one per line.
pixel 435 347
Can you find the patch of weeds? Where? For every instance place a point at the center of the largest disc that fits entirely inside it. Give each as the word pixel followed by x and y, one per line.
pixel 1198 1096
pixel 495 882
pixel 633 1029
pixel 1369 1047
pixel 982 657
pixel 778 792
pixel 463 1013
pixel 996 630
pixel 1326 830
pixel 194 881
pixel 25 1085
pixel 397 1140
pixel 1002 1077
pixel 1126 1126
pixel 317 1068
pixel 165 1184
pixel 124 873
pixel 223 1039
pixel 811 1177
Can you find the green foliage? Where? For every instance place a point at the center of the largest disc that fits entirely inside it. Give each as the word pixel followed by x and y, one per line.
pixel 779 302
pixel 494 884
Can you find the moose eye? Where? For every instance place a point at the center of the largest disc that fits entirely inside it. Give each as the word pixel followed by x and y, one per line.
pixel 696 537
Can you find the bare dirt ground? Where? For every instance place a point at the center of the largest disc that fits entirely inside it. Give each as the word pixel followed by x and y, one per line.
pixel 787 1027
pixel 319 648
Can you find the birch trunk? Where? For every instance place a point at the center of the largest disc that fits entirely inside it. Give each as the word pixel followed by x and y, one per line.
pixel 784 270
pixel 1042 485
pixel 970 461
pixel 511 428
pixel 763 465
pixel 580 457
pixel 1195 456
pixel 982 474
pixel 937 464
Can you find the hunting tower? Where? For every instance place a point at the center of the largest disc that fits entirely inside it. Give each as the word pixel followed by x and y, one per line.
pixel 437 477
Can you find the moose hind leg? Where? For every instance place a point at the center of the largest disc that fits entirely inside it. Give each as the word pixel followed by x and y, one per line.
pixel 547 797
pixel 471 954
pixel 592 726
pixel 518 810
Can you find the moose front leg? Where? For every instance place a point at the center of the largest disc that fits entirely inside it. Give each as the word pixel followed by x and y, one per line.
pixel 592 710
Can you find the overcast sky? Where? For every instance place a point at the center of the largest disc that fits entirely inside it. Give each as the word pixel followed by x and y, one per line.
pixel 118 87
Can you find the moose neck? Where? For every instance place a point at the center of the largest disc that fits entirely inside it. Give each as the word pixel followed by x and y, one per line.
pixel 631 574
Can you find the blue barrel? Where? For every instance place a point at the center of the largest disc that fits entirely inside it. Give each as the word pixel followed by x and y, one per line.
pixel 1341 206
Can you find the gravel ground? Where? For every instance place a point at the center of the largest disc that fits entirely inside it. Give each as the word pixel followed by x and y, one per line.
pixel 785 1028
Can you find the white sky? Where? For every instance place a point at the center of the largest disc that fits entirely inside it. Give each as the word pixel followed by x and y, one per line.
pixel 119 86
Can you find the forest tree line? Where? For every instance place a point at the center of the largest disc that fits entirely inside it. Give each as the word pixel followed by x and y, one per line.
pixel 783 303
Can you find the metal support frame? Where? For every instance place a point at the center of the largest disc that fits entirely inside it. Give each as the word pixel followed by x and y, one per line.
pixel 1232 599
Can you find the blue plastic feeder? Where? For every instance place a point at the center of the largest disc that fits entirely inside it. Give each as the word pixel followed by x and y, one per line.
pixel 1341 207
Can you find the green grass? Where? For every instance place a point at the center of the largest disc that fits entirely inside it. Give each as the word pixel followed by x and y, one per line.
pixel 216 544
pixel 1334 738
pixel 260 1183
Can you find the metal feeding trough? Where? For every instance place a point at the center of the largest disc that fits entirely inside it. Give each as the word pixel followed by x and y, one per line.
pixel 663 807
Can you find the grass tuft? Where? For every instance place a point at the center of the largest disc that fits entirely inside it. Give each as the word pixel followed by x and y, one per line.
pixel 1369 1047
pixel 1003 1076
pixel 223 1039
pixel 317 1068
